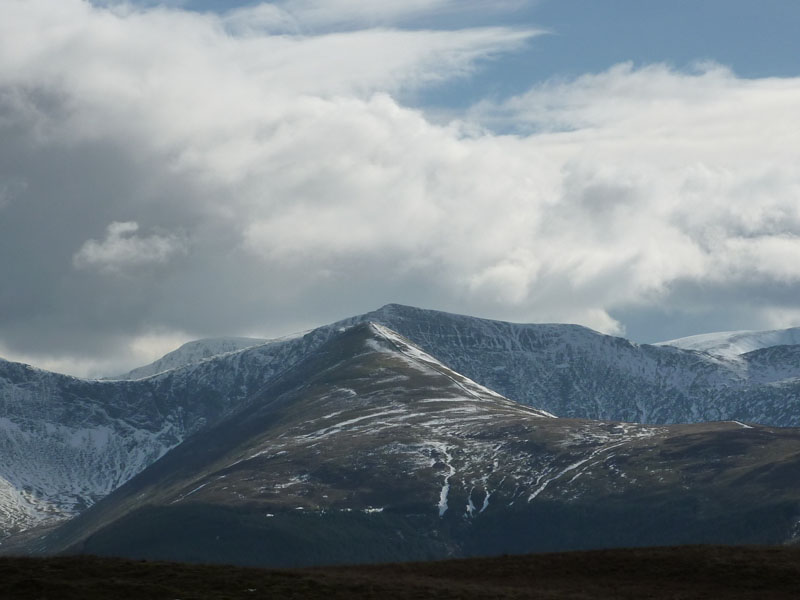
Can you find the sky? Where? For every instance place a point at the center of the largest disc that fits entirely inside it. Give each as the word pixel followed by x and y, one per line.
pixel 187 169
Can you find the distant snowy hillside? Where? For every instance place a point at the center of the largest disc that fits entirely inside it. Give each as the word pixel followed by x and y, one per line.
pixel 191 353
pixel 731 344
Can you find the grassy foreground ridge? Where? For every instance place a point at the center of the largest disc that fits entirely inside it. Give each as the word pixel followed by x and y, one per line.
pixel 674 573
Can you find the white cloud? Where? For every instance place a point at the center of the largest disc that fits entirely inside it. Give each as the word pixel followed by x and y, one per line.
pixel 309 192
pixel 297 16
pixel 771 257
pixel 122 249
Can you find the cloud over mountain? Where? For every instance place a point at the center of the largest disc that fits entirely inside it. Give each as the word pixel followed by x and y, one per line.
pixel 272 164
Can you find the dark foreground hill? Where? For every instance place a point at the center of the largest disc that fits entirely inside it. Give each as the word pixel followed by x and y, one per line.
pixel 661 573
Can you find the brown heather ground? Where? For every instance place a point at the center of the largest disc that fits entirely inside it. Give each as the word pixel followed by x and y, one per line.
pixel 661 573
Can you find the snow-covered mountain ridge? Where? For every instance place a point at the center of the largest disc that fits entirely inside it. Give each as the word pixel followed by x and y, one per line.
pixel 731 344
pixel 190 353
pixel 573 371
pixel 67 442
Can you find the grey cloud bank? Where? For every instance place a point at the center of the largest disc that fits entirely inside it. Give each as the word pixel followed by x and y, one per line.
pixel 166 175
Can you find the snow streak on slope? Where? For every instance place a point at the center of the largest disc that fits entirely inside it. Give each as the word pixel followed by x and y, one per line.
pixel 731 344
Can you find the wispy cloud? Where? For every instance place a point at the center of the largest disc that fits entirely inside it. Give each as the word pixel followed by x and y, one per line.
pixel 123 249
pixel 302 16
